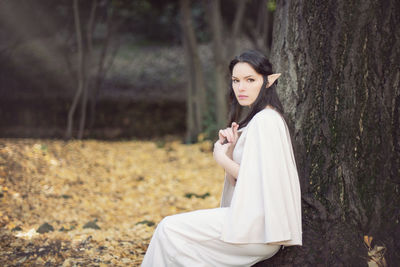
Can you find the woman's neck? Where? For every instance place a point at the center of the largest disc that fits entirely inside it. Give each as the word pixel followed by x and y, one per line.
pixel 269 106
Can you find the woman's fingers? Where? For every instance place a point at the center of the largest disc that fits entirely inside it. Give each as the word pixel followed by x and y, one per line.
pixel 235 128
pixel 230 133
pixel 225 134
pixel 221 136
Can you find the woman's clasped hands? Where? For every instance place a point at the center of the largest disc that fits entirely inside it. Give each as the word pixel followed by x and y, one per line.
pixel 223 151
pixel 227 139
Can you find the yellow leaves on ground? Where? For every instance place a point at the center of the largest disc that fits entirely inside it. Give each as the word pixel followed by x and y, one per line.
pixel 375 254
pixel 124 188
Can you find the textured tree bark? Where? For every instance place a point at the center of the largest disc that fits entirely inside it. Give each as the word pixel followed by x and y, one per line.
pixel 341 93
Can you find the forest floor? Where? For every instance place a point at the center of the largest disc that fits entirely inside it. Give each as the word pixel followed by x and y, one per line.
pixel 96 203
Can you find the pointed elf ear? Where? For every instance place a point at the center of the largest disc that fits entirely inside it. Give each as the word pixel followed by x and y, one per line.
pixel 272 78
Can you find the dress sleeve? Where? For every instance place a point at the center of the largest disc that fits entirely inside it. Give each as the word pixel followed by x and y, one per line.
pixel 266 202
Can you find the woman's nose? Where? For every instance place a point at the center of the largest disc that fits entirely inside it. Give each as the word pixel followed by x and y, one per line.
pixel 241 86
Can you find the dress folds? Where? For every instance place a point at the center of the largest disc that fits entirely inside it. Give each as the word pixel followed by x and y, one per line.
pixel 256 216
pixel 265 204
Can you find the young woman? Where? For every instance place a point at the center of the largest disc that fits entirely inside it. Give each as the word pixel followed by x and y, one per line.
pixel 260 207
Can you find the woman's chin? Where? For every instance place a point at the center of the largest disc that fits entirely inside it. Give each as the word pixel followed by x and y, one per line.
pixel 244 103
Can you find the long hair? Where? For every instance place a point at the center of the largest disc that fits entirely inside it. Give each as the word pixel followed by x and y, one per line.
pixel 267 96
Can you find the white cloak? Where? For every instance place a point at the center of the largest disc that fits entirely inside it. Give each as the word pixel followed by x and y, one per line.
pixel 265 204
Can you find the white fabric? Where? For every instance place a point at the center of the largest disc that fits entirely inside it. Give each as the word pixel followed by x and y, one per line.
pixel 255 217
pixel 265 204
pixel 193 239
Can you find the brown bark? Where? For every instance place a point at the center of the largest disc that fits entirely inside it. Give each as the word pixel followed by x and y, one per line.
pixel 341 92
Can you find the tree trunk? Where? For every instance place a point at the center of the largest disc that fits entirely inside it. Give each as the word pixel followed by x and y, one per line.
pixel 103 65
pixel 340 88
pixel 221 86
pixel 87 74
pixel 223 51
pixel 237 26
pixel 196 87
pixel 262 33
pixel 80 72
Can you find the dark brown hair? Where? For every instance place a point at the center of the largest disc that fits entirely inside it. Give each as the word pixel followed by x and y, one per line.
pixel 267 96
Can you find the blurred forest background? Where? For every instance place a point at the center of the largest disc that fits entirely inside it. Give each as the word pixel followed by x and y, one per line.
pixel 95 93
pixel 121 69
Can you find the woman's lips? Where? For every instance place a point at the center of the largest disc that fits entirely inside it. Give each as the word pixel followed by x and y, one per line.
pixel 242 96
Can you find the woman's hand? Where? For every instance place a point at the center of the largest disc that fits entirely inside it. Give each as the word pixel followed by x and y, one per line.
pixel 229 134
pixel 220 151
pixel 226 142
pixel 221 157
pixel 232 180
pixel 223 151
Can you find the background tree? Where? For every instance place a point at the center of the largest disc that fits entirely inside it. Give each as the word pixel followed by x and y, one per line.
pixel 221 37
pixel 340 88
pixel 258 27
pixel 196 91
pixel 91 67
pixel 233 25
pixel 36 100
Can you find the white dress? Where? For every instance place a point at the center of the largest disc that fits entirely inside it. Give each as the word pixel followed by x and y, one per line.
pixel 257 216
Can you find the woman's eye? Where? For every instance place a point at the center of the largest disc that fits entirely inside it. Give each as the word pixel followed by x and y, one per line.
pixel 235 81
pixel 250 80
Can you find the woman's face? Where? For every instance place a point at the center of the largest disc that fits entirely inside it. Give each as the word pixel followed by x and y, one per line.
pixel 246 83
